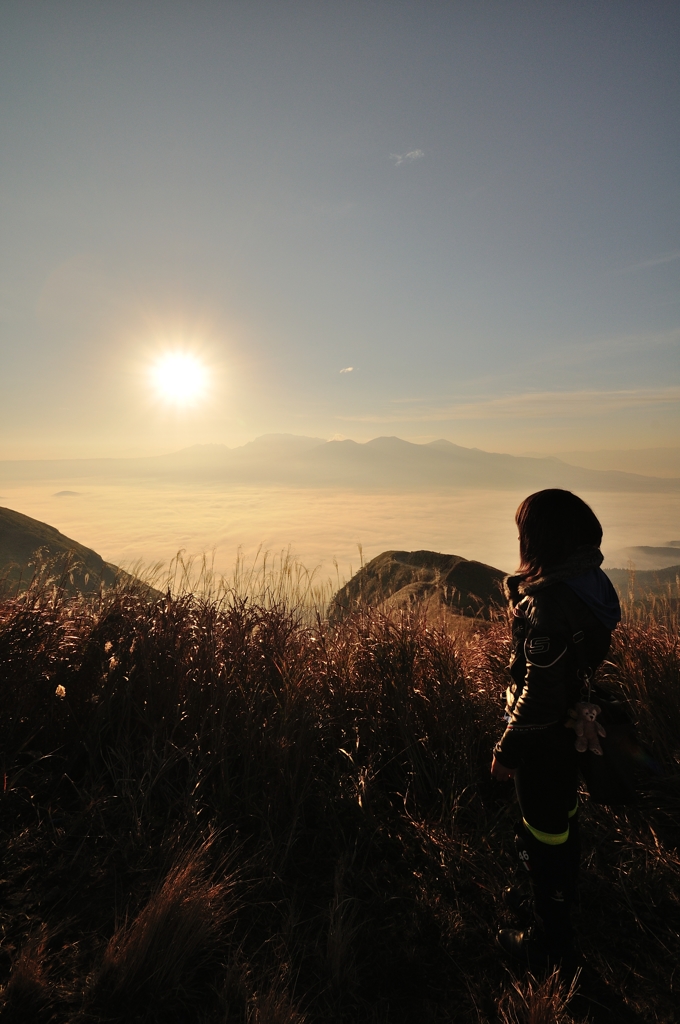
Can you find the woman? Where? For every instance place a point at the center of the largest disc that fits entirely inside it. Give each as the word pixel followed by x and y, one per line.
pixel 563 611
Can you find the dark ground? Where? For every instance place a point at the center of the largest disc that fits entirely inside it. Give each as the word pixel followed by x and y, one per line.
pixel 230 816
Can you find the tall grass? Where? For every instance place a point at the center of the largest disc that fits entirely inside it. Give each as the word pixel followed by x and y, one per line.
pixel 657 607
pixel 268 579
pixel 216 807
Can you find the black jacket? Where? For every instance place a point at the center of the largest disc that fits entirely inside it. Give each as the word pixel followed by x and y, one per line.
pixel 554 635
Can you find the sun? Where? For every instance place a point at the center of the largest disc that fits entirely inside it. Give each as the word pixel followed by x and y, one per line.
pixel 180 378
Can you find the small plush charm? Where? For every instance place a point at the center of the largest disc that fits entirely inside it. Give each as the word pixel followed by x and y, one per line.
pixel 586 726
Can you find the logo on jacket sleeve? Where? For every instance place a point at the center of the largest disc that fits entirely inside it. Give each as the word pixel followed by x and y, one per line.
pixel 544 651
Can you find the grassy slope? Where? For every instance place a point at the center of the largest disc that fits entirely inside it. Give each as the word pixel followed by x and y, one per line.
pixel 22 539
pixel 468 587
pixel 230 816
pixel 648 583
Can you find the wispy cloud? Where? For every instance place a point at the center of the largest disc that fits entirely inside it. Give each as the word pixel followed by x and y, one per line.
pixel 655 261
pixel 532 405
pixel 407 158
pixel 348 369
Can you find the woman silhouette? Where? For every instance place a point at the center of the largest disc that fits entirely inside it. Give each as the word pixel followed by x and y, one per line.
pixel 563 611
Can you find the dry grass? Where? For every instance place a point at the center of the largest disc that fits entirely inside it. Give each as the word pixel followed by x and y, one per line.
pixel 164 947
pixel 537 1001
pixel 28 992
pixel 660 606
pixel 220 809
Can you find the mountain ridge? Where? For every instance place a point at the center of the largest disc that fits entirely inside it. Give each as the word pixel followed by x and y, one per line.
pixel 384 462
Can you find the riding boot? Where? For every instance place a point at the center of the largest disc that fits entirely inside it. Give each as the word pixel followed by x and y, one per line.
pixel 518 896
pixel 573 846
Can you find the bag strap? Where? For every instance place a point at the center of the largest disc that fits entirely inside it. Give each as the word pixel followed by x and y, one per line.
pixel 585 669
pixel 576 643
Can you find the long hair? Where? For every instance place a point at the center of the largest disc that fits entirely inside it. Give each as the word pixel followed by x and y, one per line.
pixel 553 524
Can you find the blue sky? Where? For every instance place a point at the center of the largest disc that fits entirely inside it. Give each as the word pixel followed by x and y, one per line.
pixel 472 204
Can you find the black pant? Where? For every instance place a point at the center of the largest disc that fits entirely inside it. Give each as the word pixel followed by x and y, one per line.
pixel 548 841
pixel 547 783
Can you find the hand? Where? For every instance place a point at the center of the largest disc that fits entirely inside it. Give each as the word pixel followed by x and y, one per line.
pixel 500 772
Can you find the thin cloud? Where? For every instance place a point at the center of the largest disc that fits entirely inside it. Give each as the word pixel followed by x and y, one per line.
pixel 532 406
pixel 655 261
pixel 407 158
pixel 348 369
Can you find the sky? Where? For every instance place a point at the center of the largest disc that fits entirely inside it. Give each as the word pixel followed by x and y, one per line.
pixel 429 219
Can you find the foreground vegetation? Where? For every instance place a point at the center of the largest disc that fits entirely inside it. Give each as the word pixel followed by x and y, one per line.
pixel 214 810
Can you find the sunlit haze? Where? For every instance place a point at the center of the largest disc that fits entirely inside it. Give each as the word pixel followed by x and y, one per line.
pixel 338 220
pixel 473 205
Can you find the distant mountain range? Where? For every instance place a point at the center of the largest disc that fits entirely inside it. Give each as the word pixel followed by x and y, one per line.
pixel 646 557
pixel 385 463
pixel 663 461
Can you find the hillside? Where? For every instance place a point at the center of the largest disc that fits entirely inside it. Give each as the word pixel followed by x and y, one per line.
pixel 450 584
pixel 22 537
pixel 402 579
pixel 641 584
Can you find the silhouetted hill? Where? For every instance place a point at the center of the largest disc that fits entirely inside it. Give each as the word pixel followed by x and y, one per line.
pixel 432 581
pixel 22 537
pixel 643 583
pixel 644 556
pixel 383 463
pixel 401 579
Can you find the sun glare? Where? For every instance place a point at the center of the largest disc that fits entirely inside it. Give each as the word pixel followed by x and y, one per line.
pixel 180 378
